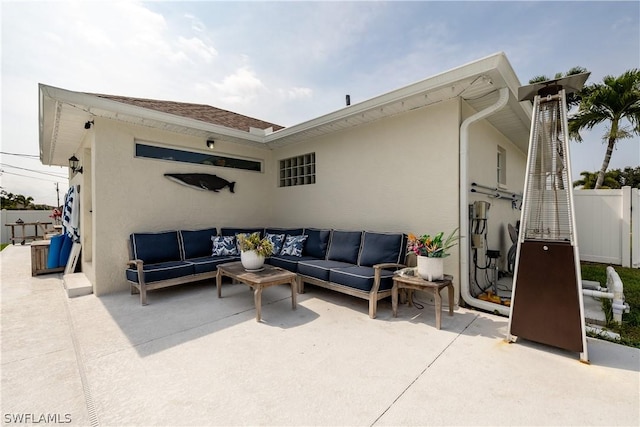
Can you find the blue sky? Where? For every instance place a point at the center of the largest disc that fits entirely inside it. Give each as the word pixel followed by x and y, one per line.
pixel 287 62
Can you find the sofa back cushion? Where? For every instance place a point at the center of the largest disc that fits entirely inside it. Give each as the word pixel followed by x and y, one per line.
pixel 380 248
pixel 285 231
pixel 277 240
pixel 153 248
pixel 196 243
pixel 226 231
pixel 293 245
pixel 345 246
pixel 317 242
pixel 224 246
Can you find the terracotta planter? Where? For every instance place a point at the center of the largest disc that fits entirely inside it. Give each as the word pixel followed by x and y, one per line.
pixel 430 268
pixel 251 260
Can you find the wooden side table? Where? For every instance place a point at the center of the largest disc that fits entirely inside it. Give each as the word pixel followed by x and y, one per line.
pixel 417 283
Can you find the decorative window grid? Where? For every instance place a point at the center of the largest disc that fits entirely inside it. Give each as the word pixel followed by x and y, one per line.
pixel 299 170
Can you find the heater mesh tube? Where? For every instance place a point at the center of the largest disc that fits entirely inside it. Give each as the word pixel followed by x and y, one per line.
pixel 547 211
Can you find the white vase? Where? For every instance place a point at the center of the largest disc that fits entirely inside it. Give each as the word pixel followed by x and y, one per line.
pixel 430 268
pixel 251 260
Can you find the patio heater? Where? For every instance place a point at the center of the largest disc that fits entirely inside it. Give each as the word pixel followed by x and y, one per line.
pixel 546 304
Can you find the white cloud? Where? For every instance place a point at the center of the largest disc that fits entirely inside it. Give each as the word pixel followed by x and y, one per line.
pixel 196 24
pixel 198 48
pixel 241 87
pixel 296 93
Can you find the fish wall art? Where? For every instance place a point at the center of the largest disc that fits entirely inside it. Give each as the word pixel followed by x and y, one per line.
pixel 201 181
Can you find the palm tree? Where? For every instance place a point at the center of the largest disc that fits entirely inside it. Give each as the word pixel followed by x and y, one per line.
pixel 615 100
pixel 589 179
pixel 24 201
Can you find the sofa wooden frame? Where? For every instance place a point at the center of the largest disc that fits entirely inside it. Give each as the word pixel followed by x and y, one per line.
pixel 142 287
pixel 374 295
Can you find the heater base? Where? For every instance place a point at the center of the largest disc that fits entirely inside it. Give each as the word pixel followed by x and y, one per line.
pixel 546 303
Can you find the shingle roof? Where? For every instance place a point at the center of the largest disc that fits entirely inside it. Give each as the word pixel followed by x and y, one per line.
pixel 205 113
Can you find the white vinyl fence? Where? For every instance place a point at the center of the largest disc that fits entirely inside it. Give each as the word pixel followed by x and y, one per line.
pixel 608 225
pixel 10 216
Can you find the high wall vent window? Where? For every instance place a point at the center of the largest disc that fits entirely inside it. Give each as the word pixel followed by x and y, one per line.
pixel 502 166
pixel 175 155
pixel 299 170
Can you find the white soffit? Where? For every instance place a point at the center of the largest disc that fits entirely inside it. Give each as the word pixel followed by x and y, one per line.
pixel 63 113
pixel 477 83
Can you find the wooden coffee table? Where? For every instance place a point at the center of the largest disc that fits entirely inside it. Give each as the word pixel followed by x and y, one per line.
pixel 269 276
pixel 417 283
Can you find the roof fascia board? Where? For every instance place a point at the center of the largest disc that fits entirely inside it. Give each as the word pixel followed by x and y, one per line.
pixel 90 103
pixel 436 82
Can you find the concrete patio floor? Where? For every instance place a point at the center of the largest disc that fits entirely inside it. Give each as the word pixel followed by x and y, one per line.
pixel 190 358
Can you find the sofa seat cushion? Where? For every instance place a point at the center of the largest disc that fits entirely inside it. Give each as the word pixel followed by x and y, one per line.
pixel 288 262
pixel 361 278
pixel 319 269
pixel 382 248
pixel 207 264
pixel 196 243
pixel 161 271
pixel 154 248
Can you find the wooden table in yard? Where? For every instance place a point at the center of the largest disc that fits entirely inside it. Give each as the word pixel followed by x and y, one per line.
pixel 42 226
pixel 417 283
pixel 269 276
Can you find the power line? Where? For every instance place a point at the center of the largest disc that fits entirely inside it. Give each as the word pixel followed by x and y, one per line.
pixel 32 156
pixel 26 176
pixel 33 170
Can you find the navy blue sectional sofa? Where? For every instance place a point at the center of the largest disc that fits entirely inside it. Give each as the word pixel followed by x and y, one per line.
pixel 357 263
pixel 169 258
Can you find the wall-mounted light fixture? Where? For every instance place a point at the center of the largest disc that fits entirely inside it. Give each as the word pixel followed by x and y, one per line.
pixel 210 143
pixel 88 124
pixel 73 164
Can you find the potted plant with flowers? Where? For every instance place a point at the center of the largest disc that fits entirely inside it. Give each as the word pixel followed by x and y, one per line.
pixel 431 252
pixel 253 250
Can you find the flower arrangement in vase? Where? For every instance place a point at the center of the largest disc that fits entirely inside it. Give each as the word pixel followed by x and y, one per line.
pixel 56 215
pixel 431 252
pixel 254 250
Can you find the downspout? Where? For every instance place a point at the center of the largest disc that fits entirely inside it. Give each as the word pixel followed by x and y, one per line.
pixel 465 293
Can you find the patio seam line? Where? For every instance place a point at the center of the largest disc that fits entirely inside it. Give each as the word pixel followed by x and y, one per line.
pixel 33 357
pixel 91 410
pixel 423 371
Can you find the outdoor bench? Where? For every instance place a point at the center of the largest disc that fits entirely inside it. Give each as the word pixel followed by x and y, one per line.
pixel 356 263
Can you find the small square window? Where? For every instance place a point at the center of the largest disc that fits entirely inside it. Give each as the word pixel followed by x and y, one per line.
pixel 299 170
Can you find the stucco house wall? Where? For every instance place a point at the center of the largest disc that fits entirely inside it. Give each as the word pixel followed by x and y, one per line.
pixel 131 194
pixel 483 148
pixel 396 174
